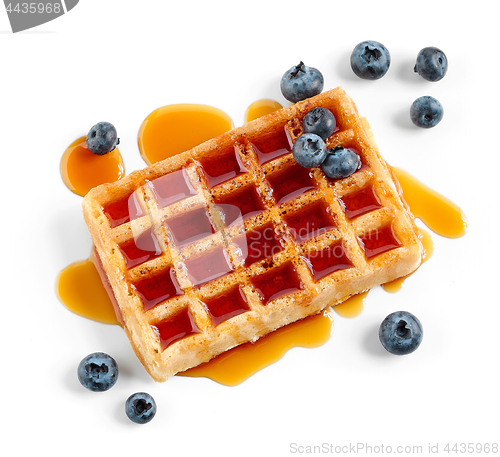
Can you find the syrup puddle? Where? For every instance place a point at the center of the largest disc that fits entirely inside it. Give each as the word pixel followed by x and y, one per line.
pixel 80 289
pixel 81 170
pixel 175 128
pixel 235 366
pixel 260 108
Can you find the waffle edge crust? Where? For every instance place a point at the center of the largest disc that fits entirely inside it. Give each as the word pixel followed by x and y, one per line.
pixel 207 282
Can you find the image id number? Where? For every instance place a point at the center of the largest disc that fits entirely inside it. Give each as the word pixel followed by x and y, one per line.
pixel 34 8
pixel 471 448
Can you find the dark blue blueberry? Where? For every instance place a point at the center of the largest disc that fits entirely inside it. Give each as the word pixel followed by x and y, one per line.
pixel 102 138
pixel 140 408
pixel 341 163
pixel 432 64
pixel 301 82
pixel 370 60
pixel 426 112
pixel 98 372
pixel 320 121
pixel 309 150
pixel 400 333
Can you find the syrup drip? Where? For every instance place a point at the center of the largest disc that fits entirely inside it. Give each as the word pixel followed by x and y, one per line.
pixel 438 213
pixel 441 215
pixel 235 366
pixel 260 108
pixel 81 170
pixel 352 307
pixel 176 128
pixel 173 129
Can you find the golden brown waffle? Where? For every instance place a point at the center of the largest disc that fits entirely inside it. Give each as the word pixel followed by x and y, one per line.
pixel 233 239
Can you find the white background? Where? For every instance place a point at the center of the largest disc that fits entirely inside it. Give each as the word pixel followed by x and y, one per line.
pixel 117 61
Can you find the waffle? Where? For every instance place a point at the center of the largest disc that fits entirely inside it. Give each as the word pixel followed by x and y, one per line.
pixel 222 244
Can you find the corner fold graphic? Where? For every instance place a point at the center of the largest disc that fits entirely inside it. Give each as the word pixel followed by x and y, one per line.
pixel 26 15
pixel 70 4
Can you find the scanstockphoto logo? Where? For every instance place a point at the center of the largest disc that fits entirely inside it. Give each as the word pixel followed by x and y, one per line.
pixel 26 15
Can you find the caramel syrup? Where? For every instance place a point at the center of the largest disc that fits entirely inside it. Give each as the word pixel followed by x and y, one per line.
pixel 158 288
pixel 175 328
pixel 352 307
pixel 327 260
pixel 173 129
pixel 258 244
pixel 81 170
pixel 176 128
pixel 441 215
pixel 224 166
pixel 291 183
pixel 310 221
pixel 277 282
pixel 235 366
pixel 438 213
pixel 260 108
pixel 378 241
pixel 79 287
pixel 272 146
pixel 208 266
pixel 360 203
pixel 243 203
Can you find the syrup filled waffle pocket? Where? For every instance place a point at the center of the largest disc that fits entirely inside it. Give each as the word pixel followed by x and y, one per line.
pixel 233 239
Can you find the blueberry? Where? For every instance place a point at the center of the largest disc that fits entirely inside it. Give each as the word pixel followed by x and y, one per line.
pixel 140 408
pixel 341 163
pixel 98 372
pixel 370 60
pixel 301 82
pixel 432 64
pixel 309 150
pixel 400 333
pixel 426 112
pixel 320 121
pixel 102 138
